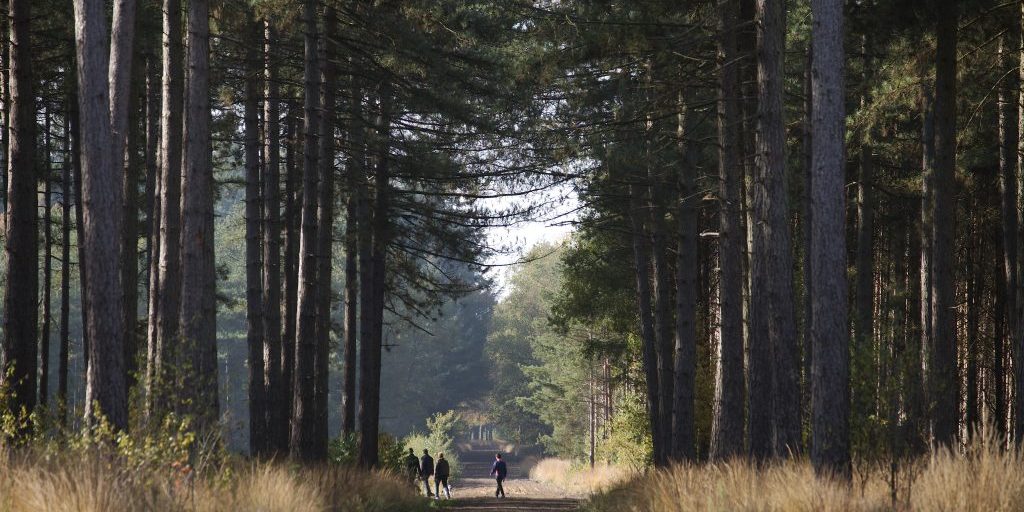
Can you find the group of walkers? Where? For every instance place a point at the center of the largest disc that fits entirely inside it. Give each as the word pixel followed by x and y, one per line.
pixel 423 468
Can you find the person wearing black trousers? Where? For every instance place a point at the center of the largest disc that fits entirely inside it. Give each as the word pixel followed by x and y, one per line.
pixel 499 471
pixel 441 472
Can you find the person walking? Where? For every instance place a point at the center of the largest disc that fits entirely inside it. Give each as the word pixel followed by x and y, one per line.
pixel 441 472
pixel 499 471
pixel 427 470
pixel 412 466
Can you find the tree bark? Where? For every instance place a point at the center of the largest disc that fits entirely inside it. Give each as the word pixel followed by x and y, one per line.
pixel 922 407
pixel 253 244
pixel 198 274
pixel 21 293
pixel 356 172
pixel 132 167
pixel 865 220
pixel 302 442
pixel 945 392
pixel 167 348
pixel 773 322
pixel 293 199
pixel 687 261
pixel 154 192
pixel 1009 135
pixel 277 416
pixel 65 277
pixel 44 335
pixel 325 233
pixel 727 422
pixel 102 195
pixel 641 263
pixel 830 381
pixel 972 292
pixel 369 386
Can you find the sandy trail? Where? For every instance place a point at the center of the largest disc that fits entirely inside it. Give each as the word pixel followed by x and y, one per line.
pixel 474 491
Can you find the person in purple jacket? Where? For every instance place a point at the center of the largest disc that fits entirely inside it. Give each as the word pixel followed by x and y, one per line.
pixel 499 471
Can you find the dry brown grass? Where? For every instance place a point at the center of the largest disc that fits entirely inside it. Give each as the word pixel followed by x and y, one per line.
pixel 101 484
pixel 983 479
pixel 577 479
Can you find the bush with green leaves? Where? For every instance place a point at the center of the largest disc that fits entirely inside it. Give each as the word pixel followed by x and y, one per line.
pixel 442 428
pixel 344 451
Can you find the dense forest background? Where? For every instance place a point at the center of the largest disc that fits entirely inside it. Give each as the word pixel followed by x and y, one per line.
pixel 798 226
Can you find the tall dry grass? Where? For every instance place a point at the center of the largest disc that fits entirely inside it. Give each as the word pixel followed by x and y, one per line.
pixel 984 478
pixel 578 479
pixel 98 483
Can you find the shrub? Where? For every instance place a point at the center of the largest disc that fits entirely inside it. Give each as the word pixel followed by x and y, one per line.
pixel 345 451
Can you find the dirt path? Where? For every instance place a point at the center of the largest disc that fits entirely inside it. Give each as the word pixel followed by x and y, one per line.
pixel 474 491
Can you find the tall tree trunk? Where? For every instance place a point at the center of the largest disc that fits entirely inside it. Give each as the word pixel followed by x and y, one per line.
pixel 1009 134
pixel 302 444
pixel 369 386
pixel 325 233
pixel 945 393
pixel 277 415
pixel 291 255
pixel 167 348
pixel 1018 293
pixel 641 262
pixel 807 139
pixel 972 292
pixel 922 408
pixel 65 277
pixel 103 110
pixel 830 385
pixel 356 172
pixel 687 260
pixel 727 423
pixel 83 269
pixel 132 165
pixel 154 193
pixel 44 335
pixel 21 294
pixel 865 219
pixel 253 244
pixel 198 274
pixel 773 321
pixel 5 115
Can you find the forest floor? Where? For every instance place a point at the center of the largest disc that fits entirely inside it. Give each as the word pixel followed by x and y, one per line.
pixel 474 490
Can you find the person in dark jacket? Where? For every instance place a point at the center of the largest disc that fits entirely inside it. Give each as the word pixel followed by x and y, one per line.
pixel 441 472
pixel 499 471
pixel 427 470
pixel 412 466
